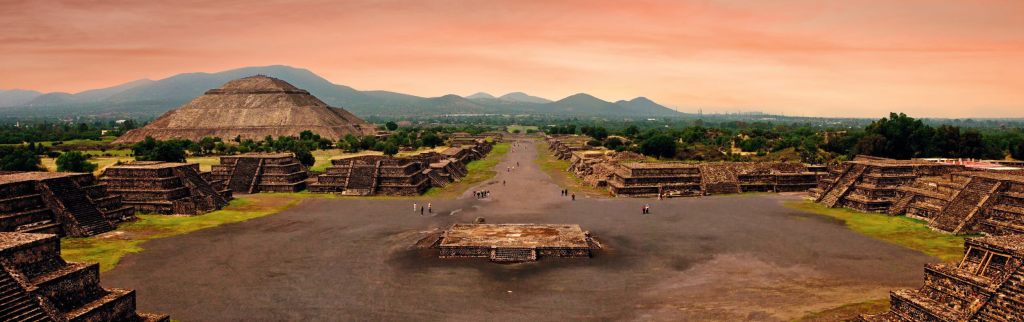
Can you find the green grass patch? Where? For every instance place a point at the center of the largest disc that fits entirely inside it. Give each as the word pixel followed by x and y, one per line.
pixel 900 230
pixel 479 171
pixel 557 170
pixel 110 248
pixel 522 128
pixel 848 311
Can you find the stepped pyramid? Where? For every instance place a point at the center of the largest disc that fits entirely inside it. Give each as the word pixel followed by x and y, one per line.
pixel 252 108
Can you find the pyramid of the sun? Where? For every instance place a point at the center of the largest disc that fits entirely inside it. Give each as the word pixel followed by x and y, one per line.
pixel 252 108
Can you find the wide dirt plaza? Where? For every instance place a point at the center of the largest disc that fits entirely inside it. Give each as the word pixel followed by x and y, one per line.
pixel 733 257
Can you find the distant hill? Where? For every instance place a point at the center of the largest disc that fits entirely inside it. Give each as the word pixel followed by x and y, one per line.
pixel 16 97
pixel 149 98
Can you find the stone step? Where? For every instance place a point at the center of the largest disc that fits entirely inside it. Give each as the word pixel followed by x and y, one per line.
pixel 117 305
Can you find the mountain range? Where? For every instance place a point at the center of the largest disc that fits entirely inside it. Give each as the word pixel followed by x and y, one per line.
pixel 149 98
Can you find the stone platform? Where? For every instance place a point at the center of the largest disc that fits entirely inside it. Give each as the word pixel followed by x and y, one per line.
pixel 166 187
pixel 261 172
pixel 514 242
pixel 36 284
pixel 67 204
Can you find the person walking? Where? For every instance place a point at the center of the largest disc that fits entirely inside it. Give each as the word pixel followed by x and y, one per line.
pixel 414 207
pixel 430 207
pixel 643 210
pixel 647 209
pixel 573 196
pixel 421 210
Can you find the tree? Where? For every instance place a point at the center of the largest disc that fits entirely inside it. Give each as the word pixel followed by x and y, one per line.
pixel 74 161
pixel 1017 148
pixel 432 140
pixel 304 156
pixel 631 131
pixel 391 125
pixel 659 145
pixel 390 149
pixel 947 141
pixel 599 133
pixel 614 143
pixel 872 144
pixel 18 159
pixel 151 149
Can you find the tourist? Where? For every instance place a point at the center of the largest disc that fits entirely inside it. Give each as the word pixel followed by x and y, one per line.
pixel 430 207
pixel 421 210
pixel 573 196
pixel 647 209
pixel 414 207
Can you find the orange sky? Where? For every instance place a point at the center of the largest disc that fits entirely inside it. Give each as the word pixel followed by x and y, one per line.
pixel 797 57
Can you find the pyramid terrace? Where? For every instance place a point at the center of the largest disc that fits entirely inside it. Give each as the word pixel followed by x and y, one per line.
pixel 514 242
pixel 261 172
pixel 36 284
pixel 68 204
pixel 166 187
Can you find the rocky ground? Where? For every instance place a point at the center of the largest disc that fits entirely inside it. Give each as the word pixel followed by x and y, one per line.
pixel 742 257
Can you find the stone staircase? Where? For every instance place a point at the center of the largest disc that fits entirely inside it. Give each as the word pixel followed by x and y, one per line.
pixel 900 205
pixel 212 199
pixel 846 179
pixel 36 284
pixel 90 221
pixel 960 210
pixel 362 180
pixel 436 179
pixel 244 175
pixel 513 255
pixel 16 303
pixel 1006 302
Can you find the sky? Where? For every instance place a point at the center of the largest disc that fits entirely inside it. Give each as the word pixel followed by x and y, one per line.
pixel 861 58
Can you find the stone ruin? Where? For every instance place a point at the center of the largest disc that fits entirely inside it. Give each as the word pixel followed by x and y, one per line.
pixel 965 202
pixel 373 174
pixel 514 243
pixel 66 204
pixel 403 176
pixel 36 284
pixel 870 184
pixel 670 179
pixel 563 145
pixel 166 187
pixel 626 173
pixel 261 172
pixel 987 285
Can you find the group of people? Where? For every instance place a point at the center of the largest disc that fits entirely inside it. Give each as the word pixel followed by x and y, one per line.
pixel 646 209
pixel 429 208
pixel 482 194
pixel 565 192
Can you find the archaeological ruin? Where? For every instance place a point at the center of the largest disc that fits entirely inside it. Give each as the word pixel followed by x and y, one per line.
pixel 965 202
pixel 870 184
pixel 987 285
pixel 261 172
pixel 66 204
pixel 36 284
pixel 252 108
pixel 628 174
pixel 399 176
pixel 166 187
pixel 513 243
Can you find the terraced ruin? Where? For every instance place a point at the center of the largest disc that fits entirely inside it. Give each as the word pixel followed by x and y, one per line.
pixel 398 176
pixel 166 187
pixel 627 174
pixel 987 285
pixel 261 172
pixel 36 284
pixel 67 204
pixel 515 243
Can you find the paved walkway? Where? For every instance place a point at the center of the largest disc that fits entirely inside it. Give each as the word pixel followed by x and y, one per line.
pixel 712 258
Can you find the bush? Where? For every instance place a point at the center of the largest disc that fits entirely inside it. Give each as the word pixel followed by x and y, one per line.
pixel 390 149
pixel 304 156
pixel 659 145
pixel 151 149
pixel 18 159
pixel 74 161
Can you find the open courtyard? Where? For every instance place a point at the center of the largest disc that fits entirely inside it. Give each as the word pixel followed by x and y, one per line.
pixel 731 257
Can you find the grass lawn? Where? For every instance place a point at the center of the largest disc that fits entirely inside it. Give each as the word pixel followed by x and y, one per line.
pixel 556 169
pixel 521 128
pixel 907 232
pixel 50 164
pixel 479 171
pixel 109 248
